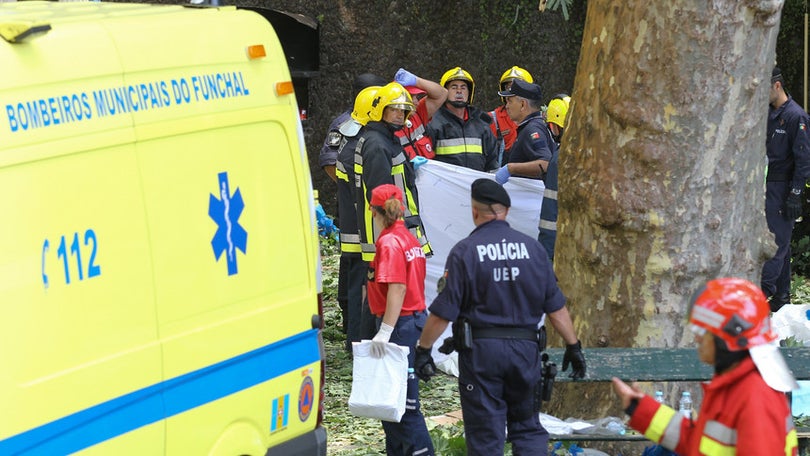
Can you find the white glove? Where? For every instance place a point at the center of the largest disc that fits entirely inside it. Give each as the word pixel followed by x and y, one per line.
pixel 377 349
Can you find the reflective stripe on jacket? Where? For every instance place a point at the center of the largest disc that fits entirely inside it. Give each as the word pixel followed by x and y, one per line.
pixel 347 215
pixel 469 143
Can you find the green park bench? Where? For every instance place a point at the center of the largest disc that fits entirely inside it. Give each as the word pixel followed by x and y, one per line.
pixel 657 365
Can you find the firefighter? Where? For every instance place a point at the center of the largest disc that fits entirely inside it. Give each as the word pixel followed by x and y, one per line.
pixel 379 159
pixel 460 132
pixel 359 321
pixel 745 410
pixel 555 117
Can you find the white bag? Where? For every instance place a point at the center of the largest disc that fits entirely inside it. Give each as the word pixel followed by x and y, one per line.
pixel 379 385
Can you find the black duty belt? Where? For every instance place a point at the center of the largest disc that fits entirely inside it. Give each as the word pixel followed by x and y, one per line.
pixel 777 177
pixel 504 333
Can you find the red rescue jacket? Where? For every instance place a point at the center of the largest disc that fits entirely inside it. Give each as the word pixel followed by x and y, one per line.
pixel 503 127
pixel 741 415
pixel 413 139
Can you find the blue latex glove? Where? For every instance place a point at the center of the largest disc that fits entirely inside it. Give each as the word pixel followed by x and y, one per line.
pixel 405 77
pixel 502 175
pixel 418 161
pixel 326 226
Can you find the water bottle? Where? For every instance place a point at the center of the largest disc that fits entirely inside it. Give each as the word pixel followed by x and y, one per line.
pixel 615 427
pixel 685 405
pixel 659 397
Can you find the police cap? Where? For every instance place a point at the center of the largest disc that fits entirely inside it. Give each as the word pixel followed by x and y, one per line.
pixel 523 89
pixel 361 81
pixel 776 75
pixel 488 191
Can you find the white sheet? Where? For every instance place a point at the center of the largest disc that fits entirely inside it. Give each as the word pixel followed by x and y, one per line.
pixel 444 204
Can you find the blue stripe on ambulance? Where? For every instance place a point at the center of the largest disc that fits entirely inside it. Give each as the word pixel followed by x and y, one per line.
pixel 171 397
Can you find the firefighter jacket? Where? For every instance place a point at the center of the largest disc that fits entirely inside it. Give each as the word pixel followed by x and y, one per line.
pixel 505 131
pixel 413 136
pixel 347 214
pixel 465 142
pixel 741 415
pixel 379 159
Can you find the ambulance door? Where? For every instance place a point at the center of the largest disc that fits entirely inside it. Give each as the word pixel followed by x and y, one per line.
pixel 79 353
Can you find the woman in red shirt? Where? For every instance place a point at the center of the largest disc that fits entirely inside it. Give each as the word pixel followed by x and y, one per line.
pixel 396 296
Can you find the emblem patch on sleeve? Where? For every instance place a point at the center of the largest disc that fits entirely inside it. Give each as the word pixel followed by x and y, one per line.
pixel 333 139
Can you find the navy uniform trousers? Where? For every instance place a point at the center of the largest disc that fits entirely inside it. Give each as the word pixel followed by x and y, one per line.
pixel 497 380
pixel 410 436
pixel 776 271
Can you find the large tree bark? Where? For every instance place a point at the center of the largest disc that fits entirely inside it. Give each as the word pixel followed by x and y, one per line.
pixel 661 169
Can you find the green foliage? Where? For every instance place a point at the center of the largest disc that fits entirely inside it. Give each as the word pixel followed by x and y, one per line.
pixel 790 46
pixel 799 287
pixel 565 5
pixel 800 258
pixel 449 439
pixel 330 256
pixel 791 342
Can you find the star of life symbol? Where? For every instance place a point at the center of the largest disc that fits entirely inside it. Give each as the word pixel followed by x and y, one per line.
pixel 225 212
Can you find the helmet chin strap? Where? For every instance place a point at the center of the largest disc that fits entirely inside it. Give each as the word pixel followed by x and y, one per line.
pixel 459 104
pixel 394 127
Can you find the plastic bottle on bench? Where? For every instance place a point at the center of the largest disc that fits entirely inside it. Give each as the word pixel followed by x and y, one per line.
pixel 659 397
pixel 615 427
pixel 685 404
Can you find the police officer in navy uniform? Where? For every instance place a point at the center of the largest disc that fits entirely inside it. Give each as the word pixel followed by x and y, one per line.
pixel 788 150
pixel 498 282
pixel 535 145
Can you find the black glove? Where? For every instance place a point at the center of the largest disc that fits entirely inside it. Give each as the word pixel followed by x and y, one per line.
pixel 423 365
pixel 448 346
pixel 574 356
pixel 793 206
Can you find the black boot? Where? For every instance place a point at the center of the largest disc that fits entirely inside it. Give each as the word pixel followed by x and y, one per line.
pixel 777 301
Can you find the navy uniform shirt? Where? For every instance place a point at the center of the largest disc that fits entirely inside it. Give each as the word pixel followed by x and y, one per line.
pixel 788 145
pixel 329 151
pixel 534 141
pixel 497 276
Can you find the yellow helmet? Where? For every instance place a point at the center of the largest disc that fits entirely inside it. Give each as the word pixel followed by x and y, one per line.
pixel 458 74
pixel 558 110
pixel 516 72
pixel 393 95
pixel 362 104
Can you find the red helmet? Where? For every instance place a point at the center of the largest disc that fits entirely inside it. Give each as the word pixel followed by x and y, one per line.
pixel 734 310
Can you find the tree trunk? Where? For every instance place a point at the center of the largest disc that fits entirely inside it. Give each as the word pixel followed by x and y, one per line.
pixel 661 170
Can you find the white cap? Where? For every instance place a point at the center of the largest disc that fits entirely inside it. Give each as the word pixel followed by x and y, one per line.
pixel 771 365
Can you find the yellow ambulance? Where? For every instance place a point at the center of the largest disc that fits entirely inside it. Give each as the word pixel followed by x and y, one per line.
pixel 159 268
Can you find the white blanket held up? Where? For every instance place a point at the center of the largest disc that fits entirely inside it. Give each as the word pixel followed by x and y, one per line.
pixel 444 204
